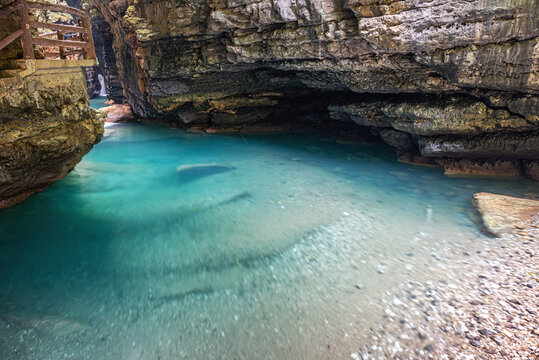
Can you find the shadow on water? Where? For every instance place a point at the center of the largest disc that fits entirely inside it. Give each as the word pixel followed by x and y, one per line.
pixel 160 222
pixel 191 172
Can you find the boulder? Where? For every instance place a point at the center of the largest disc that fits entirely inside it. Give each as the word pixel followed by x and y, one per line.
pixel 503 214
pixel 118 113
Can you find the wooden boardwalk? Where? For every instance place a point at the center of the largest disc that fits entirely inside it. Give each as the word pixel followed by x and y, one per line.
pixel 72 41
pixel 66 46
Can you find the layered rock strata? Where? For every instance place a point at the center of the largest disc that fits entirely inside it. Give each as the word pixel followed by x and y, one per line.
pixel 452 81
pixel 46 127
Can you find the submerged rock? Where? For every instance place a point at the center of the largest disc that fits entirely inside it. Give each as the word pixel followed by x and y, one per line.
pixel 192 172
pixel 503 214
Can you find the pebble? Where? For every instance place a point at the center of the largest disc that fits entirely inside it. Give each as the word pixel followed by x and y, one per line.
pixel 486 310
pixel 487 332
pixel 507 333
pixel 483 308
pixel 497 340
pixel 475 343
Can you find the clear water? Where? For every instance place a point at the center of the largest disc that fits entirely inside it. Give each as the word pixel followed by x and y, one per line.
pixel 126 258
pixel 98 102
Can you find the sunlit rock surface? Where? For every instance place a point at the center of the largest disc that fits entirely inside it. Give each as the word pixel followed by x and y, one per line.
pixel 508 215
pixel 424 68
pixel 118 113
pixel 46 127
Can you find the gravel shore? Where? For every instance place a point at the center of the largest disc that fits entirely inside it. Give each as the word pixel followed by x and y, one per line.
pixel 486 308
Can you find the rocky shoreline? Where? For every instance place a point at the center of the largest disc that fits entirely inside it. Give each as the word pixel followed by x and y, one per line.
pixel 486 308
pixel 489 313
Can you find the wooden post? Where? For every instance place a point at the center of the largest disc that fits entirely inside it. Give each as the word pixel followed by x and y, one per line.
pixel 61 48
pixel 26 38
pixel 89 53
pixel 81 38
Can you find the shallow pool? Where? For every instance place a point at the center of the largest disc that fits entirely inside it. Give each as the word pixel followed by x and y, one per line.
pixel 280 249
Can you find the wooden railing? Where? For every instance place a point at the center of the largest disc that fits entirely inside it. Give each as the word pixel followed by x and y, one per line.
pixel 69 39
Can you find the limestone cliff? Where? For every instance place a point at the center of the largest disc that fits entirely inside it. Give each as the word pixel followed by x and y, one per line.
pixel 46 127
pixel 455 81
pixel 46 123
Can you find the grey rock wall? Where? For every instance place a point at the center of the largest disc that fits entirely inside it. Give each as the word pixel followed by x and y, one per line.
pixel 423 68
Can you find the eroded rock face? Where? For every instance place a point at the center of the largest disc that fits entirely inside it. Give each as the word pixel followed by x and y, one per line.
pixel 408 69
pixel 46 127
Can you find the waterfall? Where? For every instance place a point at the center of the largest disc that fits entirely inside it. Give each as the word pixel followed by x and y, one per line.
pixel 103 91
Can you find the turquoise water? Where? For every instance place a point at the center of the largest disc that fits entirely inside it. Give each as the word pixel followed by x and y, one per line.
pixel 127 258
pixel 98 102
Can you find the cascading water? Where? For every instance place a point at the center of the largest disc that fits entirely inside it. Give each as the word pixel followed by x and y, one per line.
pixel 103 90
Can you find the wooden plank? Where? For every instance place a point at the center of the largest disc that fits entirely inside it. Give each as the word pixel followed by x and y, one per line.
pixel 64 43
pixel 67 51
pixel 10 38
pixel 64 28
pixel 47 34
pixel 8 9
pixel 26 37
pixel 54 7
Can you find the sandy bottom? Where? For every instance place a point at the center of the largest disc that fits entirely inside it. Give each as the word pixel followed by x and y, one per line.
pixel 291 247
